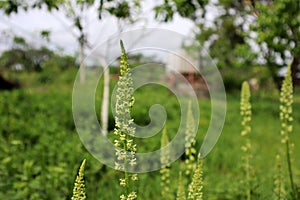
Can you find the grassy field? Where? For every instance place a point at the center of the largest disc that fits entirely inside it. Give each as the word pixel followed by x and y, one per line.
pixel 40 151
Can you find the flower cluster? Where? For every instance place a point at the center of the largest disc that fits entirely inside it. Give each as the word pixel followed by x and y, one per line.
pixel 180 191
pixel 165 170
pixel 245 108
pixel 246 113
pixel 130 196
pixel 246 117
pixel 79 187
pixel 190 151
pixel 124 129
pixel 286 100
pixel 195 189
pixel 279 190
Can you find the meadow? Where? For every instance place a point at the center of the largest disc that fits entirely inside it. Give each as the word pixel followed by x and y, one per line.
pixel 40 150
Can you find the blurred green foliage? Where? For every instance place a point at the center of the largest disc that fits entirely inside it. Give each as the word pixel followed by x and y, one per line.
pixel 24 57
pixel 40 149
pixel 278 33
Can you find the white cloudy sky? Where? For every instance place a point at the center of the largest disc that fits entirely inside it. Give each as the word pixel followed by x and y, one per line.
pixel 29 24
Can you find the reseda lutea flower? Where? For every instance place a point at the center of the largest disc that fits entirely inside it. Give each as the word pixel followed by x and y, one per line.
pixel 246 112
pixel 245 109
pixel 190 151
pixel 195 188
pixel 165 170
pixel 286 100
pixel 124 129
pixel 79 186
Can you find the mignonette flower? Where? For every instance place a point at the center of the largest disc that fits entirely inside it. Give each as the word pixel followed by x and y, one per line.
pixel 190 142
pixel 279 190
pixel 246 113
pixel 79 186
pixel 195 189
pixel 132 196
pixel 286 100
pixel 122 197
pixel 122 182
pixel 124 129
pixel 245 109
pixel 165 171
pixel 180 191
pixel 134 177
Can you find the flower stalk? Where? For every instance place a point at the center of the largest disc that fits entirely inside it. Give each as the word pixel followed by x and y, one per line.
pixel 124 129
pixel 245 109
pixel 181 190
pixel 190 151
pixel 286 119
pixel 79 186
pixel 165 170
pixel 195 189
pixel 278 183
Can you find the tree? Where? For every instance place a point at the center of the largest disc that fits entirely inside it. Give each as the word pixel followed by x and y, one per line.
pixel 239 25
pixel 24 57
pixel 185 8
pixel 13 6
pixel 75 10
pixel 277 25
pixel 227 36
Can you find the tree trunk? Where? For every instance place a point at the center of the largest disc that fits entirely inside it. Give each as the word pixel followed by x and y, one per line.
pixel 273 72
pixel 105 101
pixel 82 66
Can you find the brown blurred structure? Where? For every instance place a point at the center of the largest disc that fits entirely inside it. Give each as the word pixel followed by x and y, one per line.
pixel 7 84
pixel 183 66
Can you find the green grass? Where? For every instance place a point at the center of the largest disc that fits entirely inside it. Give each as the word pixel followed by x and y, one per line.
pixel 40 150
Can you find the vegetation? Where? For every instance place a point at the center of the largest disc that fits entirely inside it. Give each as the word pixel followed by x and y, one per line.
pixel 126 147
pixel 280 42
pixel 196 186
pixel 286 118
pixel 243 34
pixel 246 148
pixel 24 57
pixel 40 149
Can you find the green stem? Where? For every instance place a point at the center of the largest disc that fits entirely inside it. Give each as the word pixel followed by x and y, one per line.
pixel 125 167
pixel 290 170
pixel 127 183
pixel 248 179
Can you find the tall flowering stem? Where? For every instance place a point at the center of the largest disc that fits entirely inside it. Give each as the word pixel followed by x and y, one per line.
pixel 124 129
pixel 79 186
pixel 190 151
pixel 278 183
pixel 245 109
pixel 181 190
pixel 286 101
pixel 246 148
pixel 165 170
pixel 195 188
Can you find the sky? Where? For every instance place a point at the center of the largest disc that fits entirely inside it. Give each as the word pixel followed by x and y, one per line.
pixel 63 36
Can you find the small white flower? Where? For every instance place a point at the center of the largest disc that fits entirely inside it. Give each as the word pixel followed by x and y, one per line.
pixel 132 162
pixel 122 182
